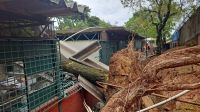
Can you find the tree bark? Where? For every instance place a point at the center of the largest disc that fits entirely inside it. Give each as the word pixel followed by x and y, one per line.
pixel 158 42
pixel 90 73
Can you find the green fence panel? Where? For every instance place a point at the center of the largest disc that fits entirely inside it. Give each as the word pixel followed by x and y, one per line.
pixel 108 48
pixel 40 64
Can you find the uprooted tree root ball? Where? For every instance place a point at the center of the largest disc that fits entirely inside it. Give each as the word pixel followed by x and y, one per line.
pixel 162 75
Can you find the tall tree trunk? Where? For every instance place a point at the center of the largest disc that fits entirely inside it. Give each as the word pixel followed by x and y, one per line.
pixel 159 42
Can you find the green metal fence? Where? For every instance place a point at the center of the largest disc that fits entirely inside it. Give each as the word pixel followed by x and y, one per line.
pixel 110 47
pixel 29 74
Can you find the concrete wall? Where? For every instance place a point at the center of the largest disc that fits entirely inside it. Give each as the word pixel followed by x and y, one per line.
pixel 191 29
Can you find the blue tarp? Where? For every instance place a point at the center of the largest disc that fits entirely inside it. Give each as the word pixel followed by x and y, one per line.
pixel 175 36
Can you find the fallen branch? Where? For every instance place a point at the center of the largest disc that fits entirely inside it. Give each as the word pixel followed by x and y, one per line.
pixel 183 101
pixel 177 87
pixel 165 101
pixel 88 72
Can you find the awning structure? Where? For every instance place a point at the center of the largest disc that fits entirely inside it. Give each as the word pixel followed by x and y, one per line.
pixel 47 8
pixel 16 14
pixel 38 9
pixel 111 33
pixel 98 29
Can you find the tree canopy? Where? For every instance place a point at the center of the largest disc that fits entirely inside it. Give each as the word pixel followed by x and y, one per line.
pixel 79 22
pixel 141 25
pixel 159 15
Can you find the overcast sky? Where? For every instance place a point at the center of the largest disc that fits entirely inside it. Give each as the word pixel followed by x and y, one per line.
pixel 109 10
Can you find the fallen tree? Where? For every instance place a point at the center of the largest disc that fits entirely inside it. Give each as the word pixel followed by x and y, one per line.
pixel 147 79
pixel 90 73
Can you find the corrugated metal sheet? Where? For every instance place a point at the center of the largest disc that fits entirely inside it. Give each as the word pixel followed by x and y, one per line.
pixel 191 28
pixel 47 8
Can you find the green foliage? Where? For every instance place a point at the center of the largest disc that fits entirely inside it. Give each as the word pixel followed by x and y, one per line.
pixel 78 22
pixel 93 21
pixel 104 24
pixel 68 22
pixel 141 25
pixel 162 14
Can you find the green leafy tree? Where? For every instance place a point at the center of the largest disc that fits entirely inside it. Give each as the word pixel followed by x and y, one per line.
pixel 70 22
pixel 93 21
pixel 104 24
pixel 141 25
pixel 80 21
pixel 160 13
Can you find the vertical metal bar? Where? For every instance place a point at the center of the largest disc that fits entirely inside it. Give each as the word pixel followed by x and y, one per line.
pixel 60 80
pixel 99 36
pixel 25 76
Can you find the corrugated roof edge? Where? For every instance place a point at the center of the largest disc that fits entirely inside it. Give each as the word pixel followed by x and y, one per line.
pixel 76 7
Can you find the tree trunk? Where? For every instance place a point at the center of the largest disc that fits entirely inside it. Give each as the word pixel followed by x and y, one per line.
pixel 159 45
pixel 159 39
pixel 90 73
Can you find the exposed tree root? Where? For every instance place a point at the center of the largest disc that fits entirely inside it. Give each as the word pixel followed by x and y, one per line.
pixel 142 81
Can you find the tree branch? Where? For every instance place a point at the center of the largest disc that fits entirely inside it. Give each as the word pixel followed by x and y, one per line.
pixel 159 10
pixel 166 16
pixel 184 101
pixel 152 21
pixel 173 14
pixel 151 11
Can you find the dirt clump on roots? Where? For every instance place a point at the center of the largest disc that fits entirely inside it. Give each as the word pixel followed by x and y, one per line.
pixel 125 66
pixel 164 75
pixel 124 69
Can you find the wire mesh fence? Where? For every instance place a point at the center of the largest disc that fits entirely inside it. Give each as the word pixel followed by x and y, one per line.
pixel 29 74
